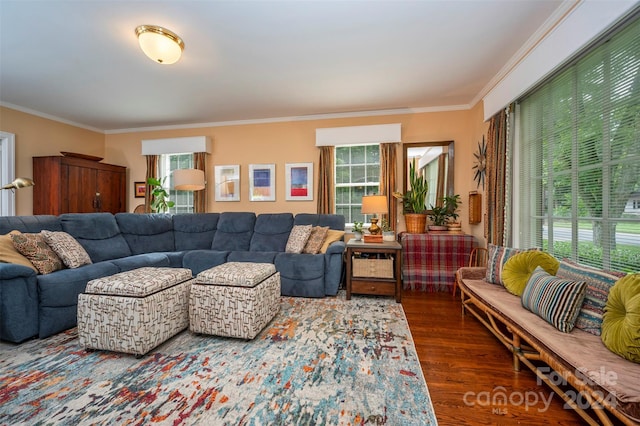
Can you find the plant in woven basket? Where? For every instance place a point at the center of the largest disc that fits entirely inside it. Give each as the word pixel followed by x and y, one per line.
pixel 413 201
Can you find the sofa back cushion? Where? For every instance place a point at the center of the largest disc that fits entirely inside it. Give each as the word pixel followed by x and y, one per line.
pixel 271 232
pixel 147 233
pixel 234 231
pixel 194 231
pixel 599 283
pixel 496 258
pixel 29 224
pixel 98 233
pixel 333 221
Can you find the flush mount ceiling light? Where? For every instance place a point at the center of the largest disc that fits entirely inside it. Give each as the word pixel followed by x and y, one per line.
pixel 160 44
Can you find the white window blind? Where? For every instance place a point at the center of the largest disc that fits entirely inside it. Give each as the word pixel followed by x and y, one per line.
pixel 579 153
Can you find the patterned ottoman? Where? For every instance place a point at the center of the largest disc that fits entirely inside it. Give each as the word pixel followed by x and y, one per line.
pixel 236 299
pixel 134 311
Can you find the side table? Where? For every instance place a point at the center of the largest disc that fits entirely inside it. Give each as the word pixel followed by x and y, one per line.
pixel 374 281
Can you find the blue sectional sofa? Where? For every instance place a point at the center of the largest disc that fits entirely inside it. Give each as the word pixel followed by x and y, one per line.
pixel 41 305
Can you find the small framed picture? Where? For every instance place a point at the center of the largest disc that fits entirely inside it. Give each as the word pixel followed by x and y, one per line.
pixel 299 181
pixel 227 183
pixel 139 189
pixel 262 182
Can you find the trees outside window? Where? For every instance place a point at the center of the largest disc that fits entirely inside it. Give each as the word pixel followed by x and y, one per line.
pixel 580 158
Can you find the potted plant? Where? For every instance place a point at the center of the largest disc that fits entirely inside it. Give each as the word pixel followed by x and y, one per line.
pixel 357 231
pixel 451 204
pixel 159 196
pixel 413 201
pixel 438 216
pixel 388 234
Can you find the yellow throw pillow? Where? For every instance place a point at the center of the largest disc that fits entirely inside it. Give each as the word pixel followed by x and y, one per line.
pixel 517 270
pixel 332 237
pixel 9 254
pixel 621 320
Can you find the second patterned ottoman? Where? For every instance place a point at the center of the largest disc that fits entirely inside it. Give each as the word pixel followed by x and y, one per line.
pixel 236 299
pixel 134 311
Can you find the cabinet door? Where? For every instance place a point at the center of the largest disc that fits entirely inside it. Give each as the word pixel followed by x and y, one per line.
pixel 111 187
pixel 81 190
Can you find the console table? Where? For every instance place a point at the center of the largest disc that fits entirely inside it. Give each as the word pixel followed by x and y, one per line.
pixel 429 261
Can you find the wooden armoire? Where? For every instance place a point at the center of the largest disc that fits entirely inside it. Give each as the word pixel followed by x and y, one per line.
pixel 71 184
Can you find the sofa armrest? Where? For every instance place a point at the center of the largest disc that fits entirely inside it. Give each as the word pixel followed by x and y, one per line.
pixel 18 303
pixel 336 247
pixel 11 270
pixel 472 273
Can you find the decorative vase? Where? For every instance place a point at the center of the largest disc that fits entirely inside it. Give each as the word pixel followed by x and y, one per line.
pixel 388 236
pixel 416 222
pixel 357 236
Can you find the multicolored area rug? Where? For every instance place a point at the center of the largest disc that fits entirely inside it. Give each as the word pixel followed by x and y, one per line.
pixel 319 362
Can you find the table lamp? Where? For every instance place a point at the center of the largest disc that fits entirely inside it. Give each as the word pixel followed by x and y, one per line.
pixel 374 204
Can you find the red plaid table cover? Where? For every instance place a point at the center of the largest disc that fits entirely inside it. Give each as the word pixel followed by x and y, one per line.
pixel 429 261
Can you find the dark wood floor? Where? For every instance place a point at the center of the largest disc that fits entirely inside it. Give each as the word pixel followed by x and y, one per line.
pixel 466 367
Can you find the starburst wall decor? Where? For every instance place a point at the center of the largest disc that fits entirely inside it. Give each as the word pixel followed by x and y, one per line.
pixel 480 163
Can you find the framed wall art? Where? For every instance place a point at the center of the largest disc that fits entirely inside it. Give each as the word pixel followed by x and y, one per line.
pixel 139 189
pixel 227 183
pixel 299 181
pixel 262 182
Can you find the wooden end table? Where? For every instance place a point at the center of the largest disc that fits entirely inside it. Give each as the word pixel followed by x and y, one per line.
pixel 375 285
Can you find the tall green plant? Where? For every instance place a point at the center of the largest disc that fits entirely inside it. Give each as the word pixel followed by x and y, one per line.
pixel 415 198
pixel 159 196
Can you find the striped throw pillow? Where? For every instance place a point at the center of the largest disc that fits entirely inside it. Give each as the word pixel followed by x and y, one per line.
pixel 553 299
pixel 496 258
pixel 599 283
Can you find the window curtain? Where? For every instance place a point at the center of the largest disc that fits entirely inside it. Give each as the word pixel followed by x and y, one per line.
pixel 388 166
pixel 497 141
pixel 200 197
pixel 152 172
pixel 325 180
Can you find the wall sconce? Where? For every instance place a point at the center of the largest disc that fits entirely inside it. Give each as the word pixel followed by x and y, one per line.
pixel 374 204
pixel 188 180
pixel 19 183
pixel 160 44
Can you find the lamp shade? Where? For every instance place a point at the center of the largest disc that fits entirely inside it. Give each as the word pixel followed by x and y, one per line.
pixel 188 179
pixel 372 204
pixel 160 44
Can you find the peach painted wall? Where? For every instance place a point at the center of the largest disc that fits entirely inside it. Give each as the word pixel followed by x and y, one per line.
pixel 35 137
pixel 294 141
pixel 479 129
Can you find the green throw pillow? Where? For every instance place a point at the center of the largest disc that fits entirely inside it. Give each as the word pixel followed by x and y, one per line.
pixel 621 321
pixel 518 269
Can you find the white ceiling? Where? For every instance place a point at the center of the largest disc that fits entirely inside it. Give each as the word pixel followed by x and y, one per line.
pixel 79 61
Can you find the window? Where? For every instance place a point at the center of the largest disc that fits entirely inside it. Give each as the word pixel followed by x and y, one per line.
pixel 579 153
pixel 167 164
pixel 357 172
